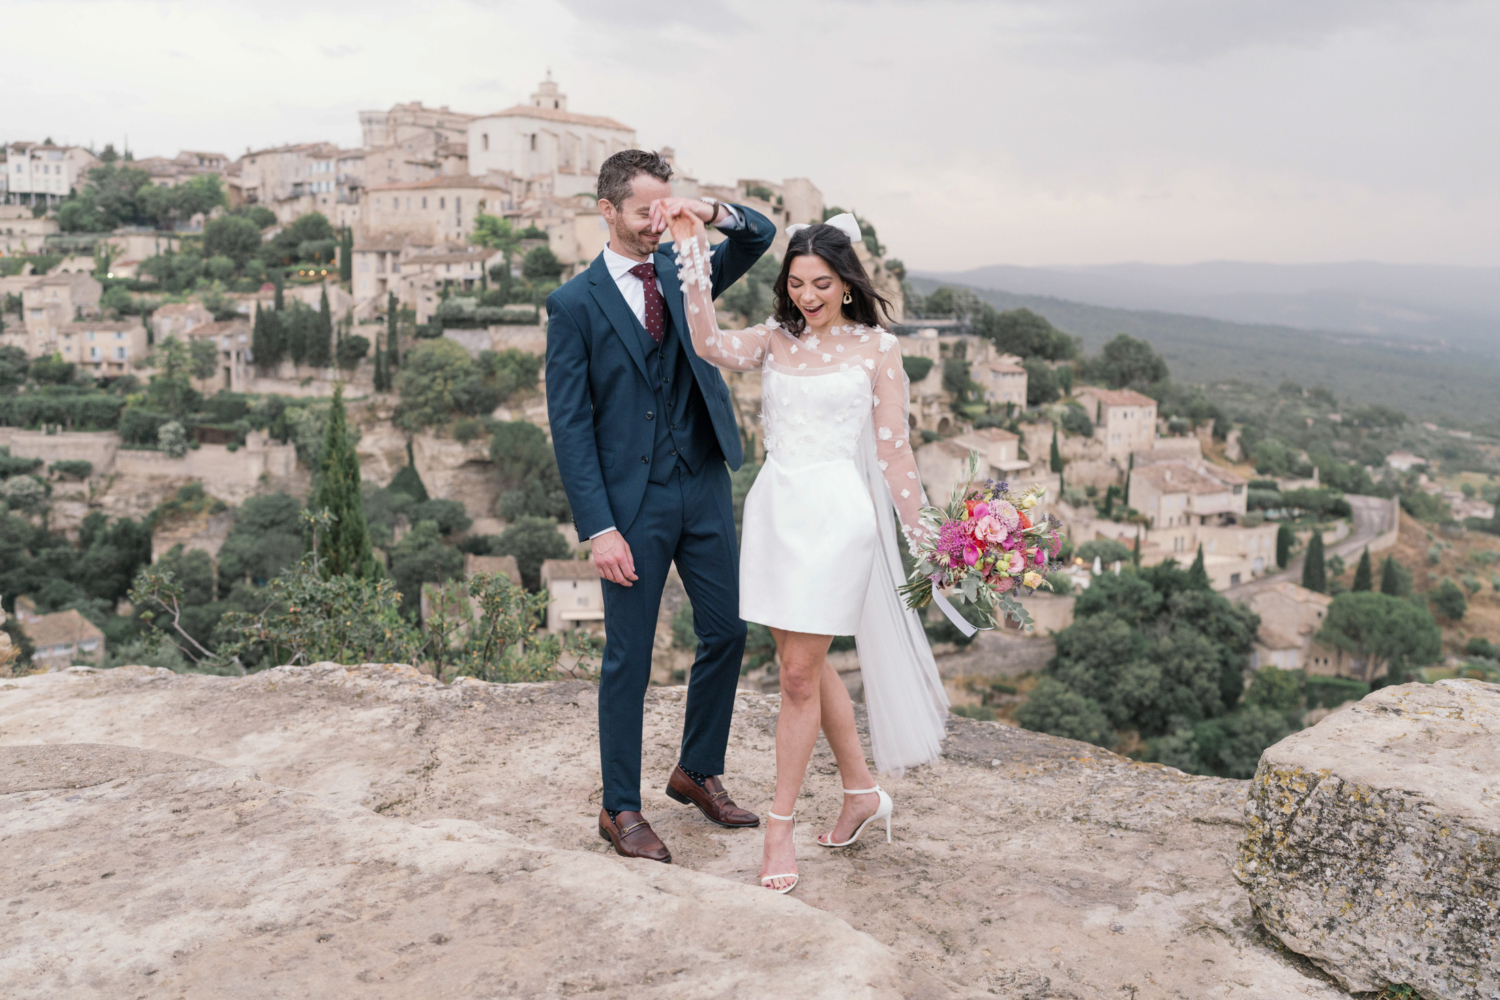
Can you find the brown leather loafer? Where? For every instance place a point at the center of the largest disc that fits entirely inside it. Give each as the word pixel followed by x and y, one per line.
pixel 710 798
pixel 633 837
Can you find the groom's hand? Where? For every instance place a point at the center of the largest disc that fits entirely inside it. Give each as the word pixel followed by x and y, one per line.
pixel 612 558
pixel 663 210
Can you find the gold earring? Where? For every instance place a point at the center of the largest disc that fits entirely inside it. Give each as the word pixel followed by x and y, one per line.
pixel 848 298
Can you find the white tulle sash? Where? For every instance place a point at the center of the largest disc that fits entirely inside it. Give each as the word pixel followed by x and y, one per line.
pixel 904 695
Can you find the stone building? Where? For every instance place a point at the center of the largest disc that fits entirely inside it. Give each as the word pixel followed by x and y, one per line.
pixel 438 210
pixel 414 128
pixel 542 141
pixel 232 338
pixel 1290 617
pixel 1004 382
pixel 1124 420
pixel 19 232
pixel 103 348
pixel 942 464
pixel 1175 493
pixel 60 639
pixel 577 594
pixel 40 173
pixel 49 305
pixel 172 171
pixel 179 319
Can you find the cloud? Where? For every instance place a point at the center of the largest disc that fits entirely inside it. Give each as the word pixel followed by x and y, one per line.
pixel 339 51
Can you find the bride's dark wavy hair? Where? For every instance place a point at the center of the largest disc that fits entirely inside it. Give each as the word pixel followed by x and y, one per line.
pixel 867 306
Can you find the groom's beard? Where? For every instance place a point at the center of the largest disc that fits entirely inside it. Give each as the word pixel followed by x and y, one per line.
pixel 638 243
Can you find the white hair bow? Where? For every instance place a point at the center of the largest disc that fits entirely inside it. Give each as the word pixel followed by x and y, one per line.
pixel 843 222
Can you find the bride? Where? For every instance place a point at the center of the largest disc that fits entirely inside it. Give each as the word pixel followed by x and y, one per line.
pixel 819 556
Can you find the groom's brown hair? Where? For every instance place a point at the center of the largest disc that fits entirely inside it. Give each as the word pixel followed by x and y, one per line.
pixel 618 173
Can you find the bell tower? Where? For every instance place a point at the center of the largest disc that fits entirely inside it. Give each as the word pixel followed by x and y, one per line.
pixel 548 96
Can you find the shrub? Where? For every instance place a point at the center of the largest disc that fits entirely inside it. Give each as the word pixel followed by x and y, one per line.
pixel 467 430
pixel 1331 692
pixel 1449 601
pixel 1106 550
pixel 916 367
pixel 1055 708
pixel 140 426
pixel 72 468
pixel 172 439
pixel 532 540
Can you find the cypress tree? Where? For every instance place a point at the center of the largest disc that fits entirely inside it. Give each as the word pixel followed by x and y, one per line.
pixel 1390 578
pixel 1364 574
pixel 346 255
pixel 298 319
pixel 1284 541
pixel 276 338
pixel 382 374
pixel 279 280
pixel 1057 463
pixel 392 355
pixel 1314 573
pixel 260 348
pixel 1198 572
pixel 1135 557
pixel 344 545
pixel 319 345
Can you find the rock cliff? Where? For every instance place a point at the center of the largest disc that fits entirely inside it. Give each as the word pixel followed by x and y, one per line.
pixel 325 830
pixel 1373 842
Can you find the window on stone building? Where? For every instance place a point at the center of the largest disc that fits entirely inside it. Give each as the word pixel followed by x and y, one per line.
pixel 442 203
pixel 484 141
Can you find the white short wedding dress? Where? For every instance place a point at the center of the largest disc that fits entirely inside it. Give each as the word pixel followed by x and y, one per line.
pixel 819 548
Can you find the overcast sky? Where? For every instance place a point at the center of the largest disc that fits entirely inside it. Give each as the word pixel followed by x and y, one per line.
pixel 969 133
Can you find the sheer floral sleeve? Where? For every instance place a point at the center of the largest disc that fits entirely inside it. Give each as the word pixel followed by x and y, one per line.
pixel 889 412
pixel 737 350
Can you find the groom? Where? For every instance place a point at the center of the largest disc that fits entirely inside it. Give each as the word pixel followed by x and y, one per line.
pixel 645 438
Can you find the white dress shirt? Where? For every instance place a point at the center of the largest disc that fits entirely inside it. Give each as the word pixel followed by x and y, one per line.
pixel 634 290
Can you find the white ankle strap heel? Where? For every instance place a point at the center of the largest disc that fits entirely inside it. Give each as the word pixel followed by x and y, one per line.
pixel 883 812
pixel 766 880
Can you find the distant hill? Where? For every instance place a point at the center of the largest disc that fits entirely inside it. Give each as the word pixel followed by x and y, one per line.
pixel 1436 304
pixel 1427 380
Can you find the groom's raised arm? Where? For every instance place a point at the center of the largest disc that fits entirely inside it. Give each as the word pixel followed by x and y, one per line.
pixel 570 411
pixel 743 245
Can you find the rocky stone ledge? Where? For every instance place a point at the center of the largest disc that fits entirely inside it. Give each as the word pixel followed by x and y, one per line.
pixel 1373 841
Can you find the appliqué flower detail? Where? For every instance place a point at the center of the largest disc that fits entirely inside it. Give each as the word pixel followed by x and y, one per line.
pixel 887 341
pixel 828 357
pixel 890 373
pixel 884 465
pixel 884 433
pixel 899 442
pixel 794 347
pixel 864 338
pixel 843 367
pixel 870 363
pixel 840 348
pixel 911 475
pixel 905 494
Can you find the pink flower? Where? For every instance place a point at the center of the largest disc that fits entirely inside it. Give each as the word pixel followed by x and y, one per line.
pixel 971 553
pixel 1017 562
pixel 1003 512
pixel 980 509
pixel 1005 585
pixel 986 528
pixel 1040 558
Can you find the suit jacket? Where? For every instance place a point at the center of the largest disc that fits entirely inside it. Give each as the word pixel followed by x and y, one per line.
pixel 598 386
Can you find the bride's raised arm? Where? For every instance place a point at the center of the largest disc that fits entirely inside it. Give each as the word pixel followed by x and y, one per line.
pixel 737 350
pixel 892 391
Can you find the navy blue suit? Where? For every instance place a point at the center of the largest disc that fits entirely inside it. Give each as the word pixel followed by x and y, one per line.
pixel 645 437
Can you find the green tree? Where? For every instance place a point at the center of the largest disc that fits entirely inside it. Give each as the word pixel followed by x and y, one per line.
pixel 300 322
pixel 1055 708
pixel 422 557
pixel 1395 579
pixel 351 351
pixel 437 379
pixel 1449 600
pixel 266 539
pixel 1041 383
pixel 408 481
pixel 392 352
pixel 344 546
pixel 346 256
pixel 496 233
pixel 1314 573
pixel 1383 631
pixel 541 264
pixel 532 540
pixel 1198 572
pixel 232 236
pixel 1286 539
pixel 1056 463
pixel 203 358
pixel 1127 362
pixel 318 351
pixel 1025 334
pixel 1364 573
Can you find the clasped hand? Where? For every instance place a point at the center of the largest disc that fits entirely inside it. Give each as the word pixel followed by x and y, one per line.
pixel 685 216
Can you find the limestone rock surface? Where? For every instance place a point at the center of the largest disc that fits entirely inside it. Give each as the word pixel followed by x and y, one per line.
pixel 445 837
pixel 1373 841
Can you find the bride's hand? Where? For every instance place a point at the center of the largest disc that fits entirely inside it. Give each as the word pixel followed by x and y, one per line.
pixel 685 223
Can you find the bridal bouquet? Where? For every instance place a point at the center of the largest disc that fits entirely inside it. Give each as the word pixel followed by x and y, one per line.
pixel 984 546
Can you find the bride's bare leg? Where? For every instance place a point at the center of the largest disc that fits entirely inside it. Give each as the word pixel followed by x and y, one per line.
pixel 802 660
pixel 843 738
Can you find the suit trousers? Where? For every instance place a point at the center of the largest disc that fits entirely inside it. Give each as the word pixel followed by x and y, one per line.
pixel 688 520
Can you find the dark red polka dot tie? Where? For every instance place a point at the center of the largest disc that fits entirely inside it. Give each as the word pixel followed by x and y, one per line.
pixel 655 317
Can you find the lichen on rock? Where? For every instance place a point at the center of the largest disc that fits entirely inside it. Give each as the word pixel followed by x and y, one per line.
pixel 1372 841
